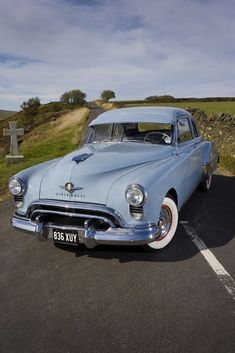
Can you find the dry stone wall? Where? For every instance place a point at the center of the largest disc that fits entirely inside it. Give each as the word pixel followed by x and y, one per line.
pixel 219 128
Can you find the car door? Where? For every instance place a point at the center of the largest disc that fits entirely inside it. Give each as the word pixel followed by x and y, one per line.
pixel 188 153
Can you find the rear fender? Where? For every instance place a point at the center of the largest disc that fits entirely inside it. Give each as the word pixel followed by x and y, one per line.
pixel 210 157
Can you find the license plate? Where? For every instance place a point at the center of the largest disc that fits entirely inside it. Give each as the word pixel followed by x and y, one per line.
pixel 65 236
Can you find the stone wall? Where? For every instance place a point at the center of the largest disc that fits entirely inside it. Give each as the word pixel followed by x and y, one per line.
pixel 219 128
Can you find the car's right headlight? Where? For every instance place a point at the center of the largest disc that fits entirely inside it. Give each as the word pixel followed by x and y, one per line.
pixel 16 186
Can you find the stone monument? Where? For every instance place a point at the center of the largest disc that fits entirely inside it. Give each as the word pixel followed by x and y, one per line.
pixel 13 132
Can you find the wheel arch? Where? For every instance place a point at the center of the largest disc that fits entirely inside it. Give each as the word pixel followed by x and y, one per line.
pixel 173 193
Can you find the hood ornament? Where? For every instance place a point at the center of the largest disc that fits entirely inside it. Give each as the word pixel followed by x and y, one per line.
pixel 81 157
pixel 70 187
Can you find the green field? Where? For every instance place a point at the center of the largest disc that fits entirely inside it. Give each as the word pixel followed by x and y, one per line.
pixel 208 107
pixel 4 114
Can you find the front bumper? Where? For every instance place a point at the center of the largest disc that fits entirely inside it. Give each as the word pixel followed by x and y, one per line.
pixel 89 236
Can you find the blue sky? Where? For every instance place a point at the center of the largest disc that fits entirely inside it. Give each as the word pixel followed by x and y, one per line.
pixel 136 48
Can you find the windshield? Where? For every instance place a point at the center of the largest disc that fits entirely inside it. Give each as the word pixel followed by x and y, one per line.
pixel 131 132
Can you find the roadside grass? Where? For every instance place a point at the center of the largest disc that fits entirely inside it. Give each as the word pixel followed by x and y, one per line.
pixel 47 141
pixel 5 114
pixel 207 107
pixel 106 106
pixel 227 163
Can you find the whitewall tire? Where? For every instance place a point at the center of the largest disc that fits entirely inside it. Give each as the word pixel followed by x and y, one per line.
pixel 168 222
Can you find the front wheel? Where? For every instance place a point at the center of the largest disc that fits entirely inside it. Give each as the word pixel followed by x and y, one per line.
pixel 167 223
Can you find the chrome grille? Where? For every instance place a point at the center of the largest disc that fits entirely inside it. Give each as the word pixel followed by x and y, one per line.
pixel 74 214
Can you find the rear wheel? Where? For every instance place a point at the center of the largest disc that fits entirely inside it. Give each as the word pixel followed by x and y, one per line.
pixel 206 182
pixel 167 223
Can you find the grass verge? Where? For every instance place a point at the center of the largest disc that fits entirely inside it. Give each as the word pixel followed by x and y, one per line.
pixel 227 164
pixel 48 141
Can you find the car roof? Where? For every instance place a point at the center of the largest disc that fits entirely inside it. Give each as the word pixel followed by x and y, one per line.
pixel 167 115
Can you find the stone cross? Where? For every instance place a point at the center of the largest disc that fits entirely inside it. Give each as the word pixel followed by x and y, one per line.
pixel 13 132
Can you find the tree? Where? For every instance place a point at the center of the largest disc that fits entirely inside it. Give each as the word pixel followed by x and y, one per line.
pixel 31 106
pixel 107 95
pixel 30 109
pixel 73 97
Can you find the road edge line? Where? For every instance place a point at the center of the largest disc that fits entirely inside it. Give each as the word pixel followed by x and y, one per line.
pixel 217 267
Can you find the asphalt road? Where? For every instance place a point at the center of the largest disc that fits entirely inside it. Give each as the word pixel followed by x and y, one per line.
pixel 95 110
pixel 118 299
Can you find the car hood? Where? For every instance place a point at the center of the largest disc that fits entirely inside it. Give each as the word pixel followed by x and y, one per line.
pixel 94 168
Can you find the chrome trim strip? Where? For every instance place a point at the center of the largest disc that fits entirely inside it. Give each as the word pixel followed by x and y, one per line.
pixel 79 205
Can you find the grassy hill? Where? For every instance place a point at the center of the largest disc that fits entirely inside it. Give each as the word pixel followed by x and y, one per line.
pixel 4 114
pixel 51 139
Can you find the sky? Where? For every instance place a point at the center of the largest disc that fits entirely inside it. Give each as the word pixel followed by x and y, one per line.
pixel 136 48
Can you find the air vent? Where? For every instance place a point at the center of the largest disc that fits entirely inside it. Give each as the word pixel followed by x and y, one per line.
pixel 137 211
pixel 19 200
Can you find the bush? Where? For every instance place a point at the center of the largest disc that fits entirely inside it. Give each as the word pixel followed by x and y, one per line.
pixel 30 109
pixel 53 107
pixel 161 99
pixel 74 97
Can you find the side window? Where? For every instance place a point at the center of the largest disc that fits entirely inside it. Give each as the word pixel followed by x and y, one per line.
pixel 183 130
pixel 195 130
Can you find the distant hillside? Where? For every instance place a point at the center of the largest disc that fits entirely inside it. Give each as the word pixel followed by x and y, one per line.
pixel 4 114
pixel 45 113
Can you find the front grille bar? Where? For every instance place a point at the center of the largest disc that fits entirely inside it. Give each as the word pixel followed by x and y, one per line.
pixel 37 212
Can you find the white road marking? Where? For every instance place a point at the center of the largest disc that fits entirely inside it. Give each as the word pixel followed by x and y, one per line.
pixel 216 266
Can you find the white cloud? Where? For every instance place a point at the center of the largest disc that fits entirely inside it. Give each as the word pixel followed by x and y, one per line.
pixel 136 48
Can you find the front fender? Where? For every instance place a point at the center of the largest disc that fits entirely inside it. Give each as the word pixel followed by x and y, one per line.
pixel 157 179
pixel 32 178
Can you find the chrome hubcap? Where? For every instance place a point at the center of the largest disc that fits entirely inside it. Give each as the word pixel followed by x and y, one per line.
pixel 164 222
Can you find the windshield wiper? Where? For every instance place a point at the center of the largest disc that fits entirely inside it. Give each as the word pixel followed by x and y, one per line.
pixel 138 141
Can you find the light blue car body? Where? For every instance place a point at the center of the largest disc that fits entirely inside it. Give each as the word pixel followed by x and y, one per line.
pixel 102 179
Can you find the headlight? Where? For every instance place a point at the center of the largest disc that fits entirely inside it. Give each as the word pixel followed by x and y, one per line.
pixel 135 195
pixel 16 187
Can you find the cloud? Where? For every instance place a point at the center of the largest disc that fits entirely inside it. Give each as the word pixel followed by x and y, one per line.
pixel 136 48
pixel 15 61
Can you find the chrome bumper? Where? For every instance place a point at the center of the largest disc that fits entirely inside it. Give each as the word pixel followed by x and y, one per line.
pixel 89 236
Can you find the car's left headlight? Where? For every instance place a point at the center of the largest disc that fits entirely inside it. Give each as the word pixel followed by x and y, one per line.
pixel 135 195
pixel 16 186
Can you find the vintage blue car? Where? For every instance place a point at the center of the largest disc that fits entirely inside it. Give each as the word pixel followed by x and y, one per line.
pixel 123 187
